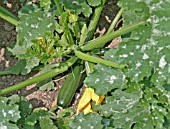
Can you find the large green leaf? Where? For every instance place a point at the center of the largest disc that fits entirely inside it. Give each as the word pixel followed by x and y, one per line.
pixel 31 26
pixel 104 79
pixel 148 46
pixel 120 102
pixel 9 114
pixel 89 121
pixel 126 110
pixel 159 100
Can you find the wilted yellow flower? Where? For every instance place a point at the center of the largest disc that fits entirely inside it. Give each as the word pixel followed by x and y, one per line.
pixel 84 103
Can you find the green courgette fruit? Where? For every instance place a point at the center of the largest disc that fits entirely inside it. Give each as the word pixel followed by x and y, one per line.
pixel 70 86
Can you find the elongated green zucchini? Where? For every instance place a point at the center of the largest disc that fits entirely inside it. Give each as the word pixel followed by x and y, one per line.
pixel 70 86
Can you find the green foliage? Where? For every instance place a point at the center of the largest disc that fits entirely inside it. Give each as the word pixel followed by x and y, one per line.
pixel 147 47
pixel 86 122
pixel 34 28
pixel 9 113
pixel 137 96
pixel 16 113
pixel 81 6
pixel 46 85
pixel 45 4
pixel 27 31
pixel 38 116
pixel 110 79
pixel 63 118
pixel 47 123
pixel 142 99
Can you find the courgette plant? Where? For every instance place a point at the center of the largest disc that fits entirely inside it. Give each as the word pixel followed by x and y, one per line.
pixel 134 77
pixel 43 38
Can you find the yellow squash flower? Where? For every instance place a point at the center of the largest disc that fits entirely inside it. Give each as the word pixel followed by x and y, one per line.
pixel 85 101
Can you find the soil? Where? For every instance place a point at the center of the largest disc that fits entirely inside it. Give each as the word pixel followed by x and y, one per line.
pixel 8 33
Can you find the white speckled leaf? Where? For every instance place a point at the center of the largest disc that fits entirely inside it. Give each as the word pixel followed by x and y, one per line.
pixel 138 116
pixel 104 79
pixel 148 46
pixel 120 102
pixel 156 97
pixel 89 121
pixel 125 110
pixel 8 113
pixel 31 26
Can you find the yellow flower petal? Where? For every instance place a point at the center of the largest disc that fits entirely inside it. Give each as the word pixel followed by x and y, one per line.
pixel 100 99
pixel 95 97
pixel 84 103
pixel 85 99
pixel 87 109
pixel 40 39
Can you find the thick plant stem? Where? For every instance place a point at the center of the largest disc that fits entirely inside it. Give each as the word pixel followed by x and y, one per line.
pixel 3 10
pixel 4 73
pixel 94 20
pixel 115 21
pixel 58 6
pixel 101 41
pixel 64 67
pixel 93 59
pixel 6 15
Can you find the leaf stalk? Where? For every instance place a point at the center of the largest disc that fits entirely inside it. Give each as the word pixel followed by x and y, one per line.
pixel 93 59
pixel 64 67
pixel 58 6
pixel 101 41
pixel 94 20
pixel 8 16
pixel 112 26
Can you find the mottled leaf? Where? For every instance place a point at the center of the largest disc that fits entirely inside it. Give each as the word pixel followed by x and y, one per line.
pixel 125 110
pixel 31 26
pixel 88 121
pixel 9 114
pixel 104 79
pixel 120 102
pixel 148 46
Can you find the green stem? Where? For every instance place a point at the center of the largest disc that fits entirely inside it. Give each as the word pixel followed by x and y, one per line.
pixel 94 20
pixel 58 6
pixel 4 73
pixel 93 59
pixel 64 66
pixel 115 21
pixel 70 38
pixel 53 109
pixel 101 41
pixel 8 16
pixel 5 11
